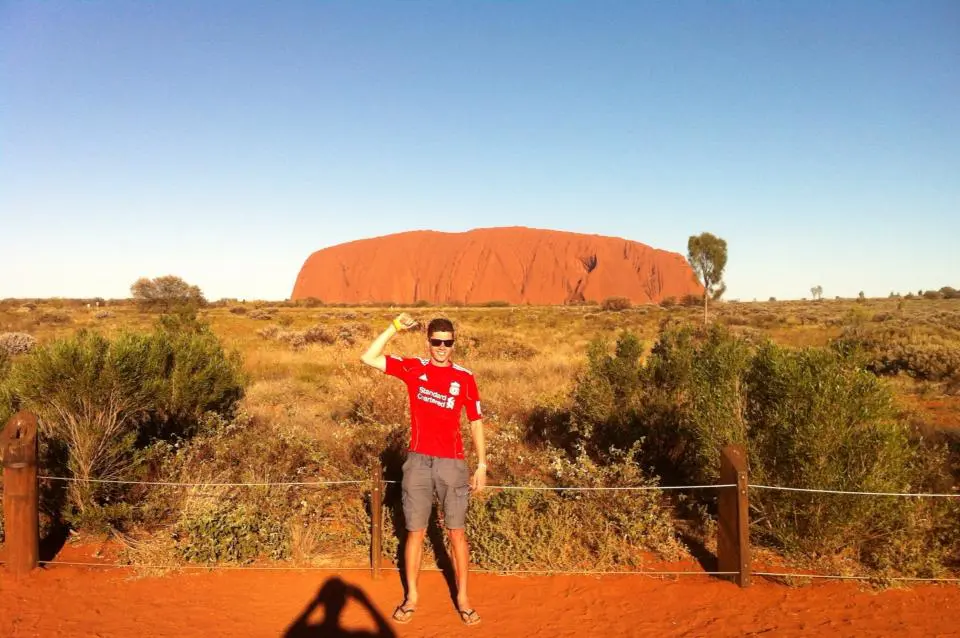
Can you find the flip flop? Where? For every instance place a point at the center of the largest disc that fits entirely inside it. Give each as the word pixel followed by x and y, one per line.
pixel 469 616
pixel 402 614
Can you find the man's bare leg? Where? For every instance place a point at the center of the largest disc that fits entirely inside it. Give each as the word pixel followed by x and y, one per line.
pixel 461 560
pixel 412 553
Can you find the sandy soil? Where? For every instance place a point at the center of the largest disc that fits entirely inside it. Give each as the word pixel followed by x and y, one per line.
pixel 79 601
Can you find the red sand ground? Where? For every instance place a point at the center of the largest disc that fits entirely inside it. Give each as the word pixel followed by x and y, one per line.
pixel 77 601
pixel 518 265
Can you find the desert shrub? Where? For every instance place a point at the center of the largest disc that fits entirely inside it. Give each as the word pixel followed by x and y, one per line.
pixel 285 320
pixel 949 292
pixel 668 302
pixel 242 524
pixel 269 332
pixel 605 396
pixel 694 400
pixel 198 375
pixel 238 310
pixel 809 418
pixel 818 421
pixel 891 350
pixel 106 400
pixel 574 530
pixel 350 333
pixel 91 394
pixel 262 314
pixel 222 530
pixel 103 314
pixel 14 343
pixel 499 346
pixel 496 303
pixel 54 317
pixel 616 304
pixel 298 339
pixel 690 301
pixel 319 334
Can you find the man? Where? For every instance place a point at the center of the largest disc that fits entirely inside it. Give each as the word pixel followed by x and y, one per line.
pixel 438 390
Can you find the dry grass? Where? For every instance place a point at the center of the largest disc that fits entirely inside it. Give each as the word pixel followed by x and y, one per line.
pixel 523 356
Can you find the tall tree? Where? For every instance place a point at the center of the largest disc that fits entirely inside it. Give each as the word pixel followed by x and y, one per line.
pixel 708 257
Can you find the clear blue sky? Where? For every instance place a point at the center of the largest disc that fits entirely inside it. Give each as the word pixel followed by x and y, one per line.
pixel 225 141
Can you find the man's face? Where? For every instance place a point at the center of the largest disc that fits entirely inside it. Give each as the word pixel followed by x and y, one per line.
pixel 441 347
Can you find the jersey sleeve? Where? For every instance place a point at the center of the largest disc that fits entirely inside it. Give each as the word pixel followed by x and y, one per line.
pixel 472 399
pixel 397 366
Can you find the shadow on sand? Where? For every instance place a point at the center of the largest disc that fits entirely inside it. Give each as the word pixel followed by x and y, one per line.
pixel 333 597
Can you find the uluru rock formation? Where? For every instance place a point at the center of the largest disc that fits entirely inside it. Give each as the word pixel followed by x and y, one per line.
pixel 517 265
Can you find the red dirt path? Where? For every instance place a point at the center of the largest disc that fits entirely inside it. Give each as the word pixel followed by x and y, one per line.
pixel 77 601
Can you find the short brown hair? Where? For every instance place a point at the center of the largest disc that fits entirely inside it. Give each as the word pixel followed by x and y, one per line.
pixel 439 325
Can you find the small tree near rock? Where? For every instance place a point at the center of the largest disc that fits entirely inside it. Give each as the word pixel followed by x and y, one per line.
pixel 707 254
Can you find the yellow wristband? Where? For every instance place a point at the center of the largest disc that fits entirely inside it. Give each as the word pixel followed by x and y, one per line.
pixel 396 325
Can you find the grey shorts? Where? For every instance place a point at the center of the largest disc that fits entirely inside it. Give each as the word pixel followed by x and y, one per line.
pixel 425 475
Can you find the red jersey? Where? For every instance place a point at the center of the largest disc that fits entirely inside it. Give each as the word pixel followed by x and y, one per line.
pixel 437 394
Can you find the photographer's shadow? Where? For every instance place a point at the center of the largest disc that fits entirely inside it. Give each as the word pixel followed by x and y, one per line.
pixel 333 597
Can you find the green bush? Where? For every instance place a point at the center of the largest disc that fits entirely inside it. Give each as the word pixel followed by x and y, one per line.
pixel 694 400
pixel 818 421
pixel 226 531
pixel 105 401
pixel 605 395
pixel 811 418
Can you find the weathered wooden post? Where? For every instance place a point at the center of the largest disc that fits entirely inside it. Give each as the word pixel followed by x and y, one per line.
pixel 21 502
pixel 733 542
pixel 376 519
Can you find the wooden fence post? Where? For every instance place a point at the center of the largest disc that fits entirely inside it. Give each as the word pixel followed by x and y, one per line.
pixel 376 520
pixel 733 542
pixel 21 502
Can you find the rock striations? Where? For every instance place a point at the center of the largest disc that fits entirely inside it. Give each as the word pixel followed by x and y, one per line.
pixel 517 265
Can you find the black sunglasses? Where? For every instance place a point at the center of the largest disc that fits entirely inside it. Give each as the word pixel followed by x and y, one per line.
pixel 436 342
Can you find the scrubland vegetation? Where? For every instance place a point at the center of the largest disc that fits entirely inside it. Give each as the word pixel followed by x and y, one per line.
pixel 845 395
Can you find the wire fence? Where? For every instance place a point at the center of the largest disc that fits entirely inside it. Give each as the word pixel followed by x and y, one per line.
pixel 637 488
pixel 819 491
pixel 206 483
pixel 370 481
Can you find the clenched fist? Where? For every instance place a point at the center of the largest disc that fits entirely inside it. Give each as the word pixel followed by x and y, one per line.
pixel 404 321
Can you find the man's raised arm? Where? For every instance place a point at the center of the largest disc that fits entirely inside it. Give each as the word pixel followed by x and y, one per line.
pixel 373 357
